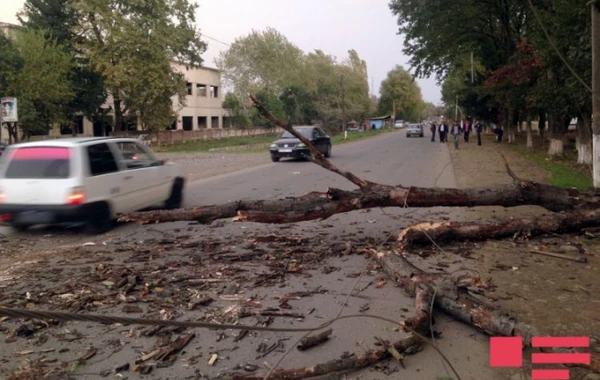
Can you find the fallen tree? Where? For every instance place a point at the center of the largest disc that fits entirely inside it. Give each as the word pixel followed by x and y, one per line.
pixel 571 210
pixel 321 205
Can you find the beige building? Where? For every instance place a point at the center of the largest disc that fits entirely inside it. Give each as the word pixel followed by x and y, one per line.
pixel 203 109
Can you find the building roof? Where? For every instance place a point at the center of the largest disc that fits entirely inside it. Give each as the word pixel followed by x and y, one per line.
pixel 380 118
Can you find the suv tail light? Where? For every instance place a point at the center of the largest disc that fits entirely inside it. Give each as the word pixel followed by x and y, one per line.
pixel 76 197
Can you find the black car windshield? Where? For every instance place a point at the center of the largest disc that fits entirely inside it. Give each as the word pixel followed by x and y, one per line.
pixel 306 132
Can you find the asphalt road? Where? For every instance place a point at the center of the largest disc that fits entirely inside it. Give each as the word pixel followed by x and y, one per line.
pixel 390 159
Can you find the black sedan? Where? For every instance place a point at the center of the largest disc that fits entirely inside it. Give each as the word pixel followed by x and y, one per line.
pixel 288 146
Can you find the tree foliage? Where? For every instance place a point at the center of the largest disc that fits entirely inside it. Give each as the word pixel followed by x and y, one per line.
pixel 400 88
pixel 132 43
pixel 58 19
pixel 308 87
pixel 39 80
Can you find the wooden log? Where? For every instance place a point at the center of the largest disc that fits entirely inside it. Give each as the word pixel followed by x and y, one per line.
pixel 426 233
pixel 318 205
pixel 459 304
pixel 314 340
pixel 352 363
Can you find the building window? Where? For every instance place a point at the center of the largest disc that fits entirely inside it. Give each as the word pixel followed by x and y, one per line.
pixel 214 91
pixel 201 122
pixel 201 90
pixel 189 88
pixel 188 123
pixel 214 122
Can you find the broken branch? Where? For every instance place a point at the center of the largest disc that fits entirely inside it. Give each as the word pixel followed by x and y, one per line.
pixel 318 158
pixel 425 233
pixel 314 340
pixel 317 205
pixel 338 365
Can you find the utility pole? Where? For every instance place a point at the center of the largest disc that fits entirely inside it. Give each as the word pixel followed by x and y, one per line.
pixel 596 94
pixel 456 110
pixel 343 109
pixel 472 68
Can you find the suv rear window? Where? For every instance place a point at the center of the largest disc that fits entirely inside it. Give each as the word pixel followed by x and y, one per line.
pixel 39 162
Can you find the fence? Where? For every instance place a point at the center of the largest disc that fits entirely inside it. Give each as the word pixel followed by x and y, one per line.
pixel 166 138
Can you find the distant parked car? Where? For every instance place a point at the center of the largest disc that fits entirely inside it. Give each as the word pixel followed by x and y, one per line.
pixel 414 129
pixel 288 146
pixel 399 124
pixel 84 181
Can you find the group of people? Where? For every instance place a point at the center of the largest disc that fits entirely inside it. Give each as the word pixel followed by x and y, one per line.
pixel 443 129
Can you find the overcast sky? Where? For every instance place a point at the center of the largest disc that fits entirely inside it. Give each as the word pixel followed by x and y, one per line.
pixel 334 26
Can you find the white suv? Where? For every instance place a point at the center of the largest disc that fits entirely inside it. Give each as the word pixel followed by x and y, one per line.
pixel 84 181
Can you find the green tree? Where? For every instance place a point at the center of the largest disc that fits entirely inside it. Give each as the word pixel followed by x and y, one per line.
pixel 59 20
pixel 261 59
pixel 299 105
pixel 400 88
pixel 10 63
pixel 238 117
pixel 270 100
pixel 40 83
pixel 127 40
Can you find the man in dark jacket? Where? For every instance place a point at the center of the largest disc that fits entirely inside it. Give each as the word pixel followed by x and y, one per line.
pixel 478 130
pixel 433 129
pixel 443 130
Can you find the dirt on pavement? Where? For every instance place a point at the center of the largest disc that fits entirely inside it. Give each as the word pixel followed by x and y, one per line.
pixel 200 165
pixel 559 297
pixel 284 276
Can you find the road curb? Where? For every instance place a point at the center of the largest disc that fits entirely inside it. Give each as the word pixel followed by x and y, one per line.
pixel 239 148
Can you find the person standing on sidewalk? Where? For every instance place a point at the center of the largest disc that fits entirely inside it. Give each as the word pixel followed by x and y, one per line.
pixel 433 129
pixel 467 130
pixel 478 130
pixel 456 133
pixel 443 130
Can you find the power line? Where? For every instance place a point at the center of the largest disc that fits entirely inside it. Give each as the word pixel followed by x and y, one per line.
pixel 551 41
pixel 214 39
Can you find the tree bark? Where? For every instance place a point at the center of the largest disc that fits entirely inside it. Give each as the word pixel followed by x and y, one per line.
pixel 452 297
pixel 334 366
pixel 318 205
pixel 557 134
pixel 529 130
pixel 424 233
pixel 542 124
pixel 584 140
pixel 119 119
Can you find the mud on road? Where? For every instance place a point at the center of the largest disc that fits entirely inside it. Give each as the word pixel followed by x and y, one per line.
pixel 278 276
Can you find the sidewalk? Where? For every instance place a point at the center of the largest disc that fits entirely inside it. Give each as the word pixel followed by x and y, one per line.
pixel 559 297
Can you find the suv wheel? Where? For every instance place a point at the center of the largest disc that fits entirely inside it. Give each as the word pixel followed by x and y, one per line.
pixel 176 198
pixel 275 158
pixel 328 151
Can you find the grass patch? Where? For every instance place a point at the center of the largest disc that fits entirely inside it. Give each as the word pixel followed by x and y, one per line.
pixel 205 146
pixel 564 172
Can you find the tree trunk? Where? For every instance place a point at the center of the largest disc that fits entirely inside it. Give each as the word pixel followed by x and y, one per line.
pixel 529 131
pixel 13 133
pixel 584 140
pixel 318 205
pixel 424 233
pixel 542 124
pixel 556 133
pixel 119 120
pixel 454 299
